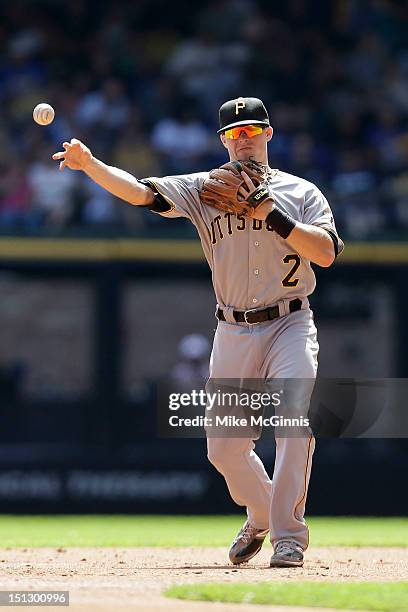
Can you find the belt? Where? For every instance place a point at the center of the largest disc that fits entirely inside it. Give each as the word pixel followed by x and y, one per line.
pixel 256 315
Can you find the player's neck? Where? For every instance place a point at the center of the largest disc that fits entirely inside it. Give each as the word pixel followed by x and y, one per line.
pixel 263 161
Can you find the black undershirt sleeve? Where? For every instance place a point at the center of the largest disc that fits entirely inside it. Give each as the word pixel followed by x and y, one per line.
pixel 159 204
pixel 337 242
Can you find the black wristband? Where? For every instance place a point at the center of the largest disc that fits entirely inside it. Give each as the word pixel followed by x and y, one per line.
pixel 280 222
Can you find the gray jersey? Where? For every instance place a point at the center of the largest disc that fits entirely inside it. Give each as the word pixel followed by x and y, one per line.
pixel 252 266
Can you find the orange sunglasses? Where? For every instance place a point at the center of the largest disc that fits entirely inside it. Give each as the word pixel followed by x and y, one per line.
pixel 250 130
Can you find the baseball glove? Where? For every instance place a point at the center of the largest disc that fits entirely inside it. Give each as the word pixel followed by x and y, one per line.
pixel 220 189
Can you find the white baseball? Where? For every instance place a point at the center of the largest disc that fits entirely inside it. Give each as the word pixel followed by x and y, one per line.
pixel 43 114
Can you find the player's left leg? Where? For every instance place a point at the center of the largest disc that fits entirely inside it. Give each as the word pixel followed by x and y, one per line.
pixel 293 357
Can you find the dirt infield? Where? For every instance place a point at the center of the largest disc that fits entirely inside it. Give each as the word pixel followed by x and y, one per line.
pixel 133 578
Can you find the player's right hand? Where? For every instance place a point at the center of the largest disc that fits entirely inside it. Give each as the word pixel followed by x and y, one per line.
pixel 75 156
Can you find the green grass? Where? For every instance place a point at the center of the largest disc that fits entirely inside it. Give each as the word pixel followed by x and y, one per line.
pixel 358 531
pixel 381 597
pixel 31 531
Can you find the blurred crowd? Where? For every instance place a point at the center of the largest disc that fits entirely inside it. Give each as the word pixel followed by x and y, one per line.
pixel 141 83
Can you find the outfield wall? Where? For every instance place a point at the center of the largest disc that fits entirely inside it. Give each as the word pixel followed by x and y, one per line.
pixel 89 327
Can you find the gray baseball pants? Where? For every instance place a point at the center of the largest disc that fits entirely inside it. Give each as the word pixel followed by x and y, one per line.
pixel 286 347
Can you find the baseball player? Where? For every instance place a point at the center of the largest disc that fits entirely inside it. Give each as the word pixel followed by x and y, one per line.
pixel 260 229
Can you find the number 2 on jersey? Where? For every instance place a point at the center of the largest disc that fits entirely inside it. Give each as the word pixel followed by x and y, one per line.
pixel 289 281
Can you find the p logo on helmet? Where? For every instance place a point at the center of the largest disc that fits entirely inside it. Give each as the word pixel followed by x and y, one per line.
pixel 242 111
pixel 240 103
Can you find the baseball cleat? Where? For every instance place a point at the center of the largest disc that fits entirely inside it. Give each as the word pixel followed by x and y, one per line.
pixel 287 554
pixel 247 544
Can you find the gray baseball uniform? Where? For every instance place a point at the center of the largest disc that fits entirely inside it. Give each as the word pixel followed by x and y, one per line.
pixel 253 267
